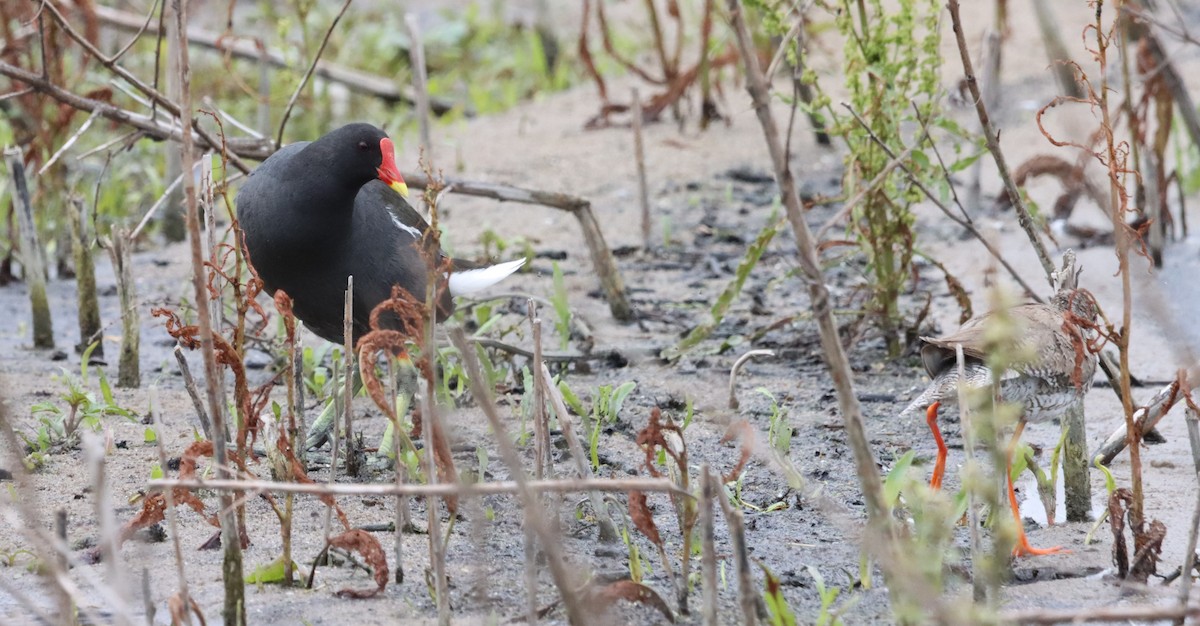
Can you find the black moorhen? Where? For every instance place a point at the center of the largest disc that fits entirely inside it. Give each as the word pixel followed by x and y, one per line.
pixel 316 212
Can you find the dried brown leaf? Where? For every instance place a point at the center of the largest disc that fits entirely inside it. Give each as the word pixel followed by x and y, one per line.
pixel 367 545
pixel 631 592
pixel 639 512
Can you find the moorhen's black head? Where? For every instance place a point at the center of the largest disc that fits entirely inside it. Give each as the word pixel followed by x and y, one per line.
pixel 358 153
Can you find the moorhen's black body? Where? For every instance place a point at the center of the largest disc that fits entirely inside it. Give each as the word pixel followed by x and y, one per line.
pixel 314 213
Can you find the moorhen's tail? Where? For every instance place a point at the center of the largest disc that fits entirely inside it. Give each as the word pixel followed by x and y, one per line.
pixel 469 278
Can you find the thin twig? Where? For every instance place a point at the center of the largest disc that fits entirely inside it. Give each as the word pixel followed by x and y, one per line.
pixel 93 448
pixel 169 496
pixel 170 106
pixel 708 547
pixel 639 156
pixel 235 606
pixel 737 366
pixel 416 56
pixel 189 383
pixel 993 143
pixel 287 111
pixel 68 143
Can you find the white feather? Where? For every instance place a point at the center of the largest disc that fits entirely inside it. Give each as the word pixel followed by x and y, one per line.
pixel 404 227
pixel 470 281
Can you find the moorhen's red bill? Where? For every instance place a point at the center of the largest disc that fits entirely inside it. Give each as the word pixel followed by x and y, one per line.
pixel 314 213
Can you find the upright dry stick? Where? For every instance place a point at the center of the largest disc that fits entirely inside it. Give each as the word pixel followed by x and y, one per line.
pixel 747 596
pixel 93 448
pixel 169 497
pixel 541 420
pixel 234 613
pixel 1124 242
pixel 534 516
pixel 85 278
pixel 708 545
pixel 416 56
pixel 985 585
pixel 1192 416
pixel 189 383
pixel 639 155
pixel 31 252
pixel 835 355
pixel 120 249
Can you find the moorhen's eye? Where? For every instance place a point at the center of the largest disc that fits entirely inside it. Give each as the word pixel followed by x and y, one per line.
pixel 362 145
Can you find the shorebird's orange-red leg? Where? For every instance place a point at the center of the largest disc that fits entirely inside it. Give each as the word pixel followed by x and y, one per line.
pixel 939 468
pixel 1022 548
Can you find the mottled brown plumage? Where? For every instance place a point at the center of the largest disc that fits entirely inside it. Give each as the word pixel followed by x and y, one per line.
pixel 1059 362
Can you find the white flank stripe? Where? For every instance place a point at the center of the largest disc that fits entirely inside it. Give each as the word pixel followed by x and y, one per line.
pixel 470 281
pixel 404 227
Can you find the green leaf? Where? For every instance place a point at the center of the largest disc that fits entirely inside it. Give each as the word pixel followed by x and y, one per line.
pixel 780 614
pixel 156 472
pixel 618 398
pixel 570 398
pixel 150 435
pixel 1110 482
pixel 273 573
pixel 1020 460
pixel 896 478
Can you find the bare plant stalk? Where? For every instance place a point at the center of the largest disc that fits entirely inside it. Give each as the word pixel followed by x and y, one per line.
pixel 120 249
pixel 1189 557
pixel 1121 235
pixel 348 342
pixel 416 56
pixel 108 529
pixel 1060 59
pixel 288 433
pixel 534 517
pixel 31 252
pixel 747 595
pixel 169 496
pixel 85 278
pixel 189 383
pixel 234 613
pixel 708 546
pixel 737 366
pixel 607 530
pixel 993 144
pixel 541 420
pixel 835 354
pixel 639 155
pixel 985 583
